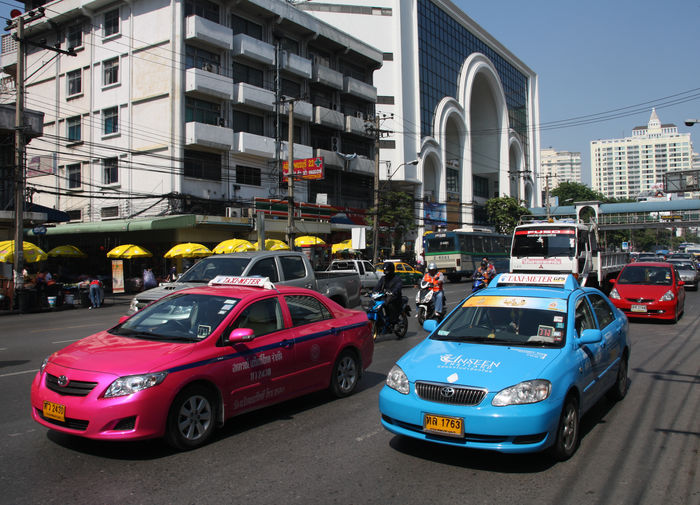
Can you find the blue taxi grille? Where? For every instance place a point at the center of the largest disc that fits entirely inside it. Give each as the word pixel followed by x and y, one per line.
pixel 448 393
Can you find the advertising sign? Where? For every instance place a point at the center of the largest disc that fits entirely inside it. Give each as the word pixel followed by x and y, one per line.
pixel 307 168
pixel 117 276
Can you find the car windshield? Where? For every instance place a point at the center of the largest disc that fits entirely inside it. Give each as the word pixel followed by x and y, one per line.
pixel 658 275
pixel 545 242
pixel 500 320
pixel 208 268
pixel 179 317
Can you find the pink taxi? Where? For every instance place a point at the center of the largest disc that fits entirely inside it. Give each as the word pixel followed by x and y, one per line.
pixel 186 363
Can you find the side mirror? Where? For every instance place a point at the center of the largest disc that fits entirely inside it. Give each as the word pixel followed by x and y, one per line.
pixel 123 318
pixel 590 336
pixel 612 281
pixel 681 283
pixel 241 335
pixel 429 325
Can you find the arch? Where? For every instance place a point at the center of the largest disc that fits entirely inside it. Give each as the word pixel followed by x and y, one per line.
pixel 516 162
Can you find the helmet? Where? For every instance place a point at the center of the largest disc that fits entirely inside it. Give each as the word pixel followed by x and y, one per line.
pixel 484 262
pixel 389 268
pixel 432 266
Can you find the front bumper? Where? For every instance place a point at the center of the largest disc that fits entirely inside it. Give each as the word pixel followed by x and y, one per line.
pixel 512 429
pixel 654 310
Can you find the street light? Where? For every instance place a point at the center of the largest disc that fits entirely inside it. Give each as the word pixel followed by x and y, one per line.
pixel 691 122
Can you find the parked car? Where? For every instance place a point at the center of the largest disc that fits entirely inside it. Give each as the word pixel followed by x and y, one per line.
pixel 364 268
pixel 688 271
pixel 649 290
pixel 183 365
pixel 512 368
pixel 283 268
pixel 409 275
pixel 682 256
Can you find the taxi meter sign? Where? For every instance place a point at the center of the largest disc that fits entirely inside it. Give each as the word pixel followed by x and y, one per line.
pixel 307 168
pixel 530 279
pixel 249 282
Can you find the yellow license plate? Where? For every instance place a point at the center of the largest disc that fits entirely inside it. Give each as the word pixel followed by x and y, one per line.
pixel 442 425
pixel 55 411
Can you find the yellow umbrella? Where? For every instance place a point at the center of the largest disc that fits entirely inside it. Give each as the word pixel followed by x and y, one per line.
pixel 129 251
pixel 272 244
pixel 345 245
pixel 188 250
pixel 233 245
pixel 31 253
pixel 66 251
pixel 307 240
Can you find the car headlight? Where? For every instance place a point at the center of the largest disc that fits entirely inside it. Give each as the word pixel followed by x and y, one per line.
pixel 668 296
pixel 132 383
pixel 614 294
pixel 397 380
pixel 526 392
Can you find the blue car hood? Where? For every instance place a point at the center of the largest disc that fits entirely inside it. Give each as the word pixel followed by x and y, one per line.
pixel 493 367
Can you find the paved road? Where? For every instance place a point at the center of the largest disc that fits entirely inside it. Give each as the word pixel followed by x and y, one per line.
pixel 320 450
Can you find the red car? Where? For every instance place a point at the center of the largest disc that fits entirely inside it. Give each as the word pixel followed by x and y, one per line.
pixel 649 290
pixel 186 363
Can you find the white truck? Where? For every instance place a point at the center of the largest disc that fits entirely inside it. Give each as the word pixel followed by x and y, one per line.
pixel 364 268
pixel 564 246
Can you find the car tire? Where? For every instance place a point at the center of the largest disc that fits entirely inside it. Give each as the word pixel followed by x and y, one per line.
pixel 568 430
pixel 619 389
pixel 402 326
pixel 191 418
pixel 346 374
pixel 421 316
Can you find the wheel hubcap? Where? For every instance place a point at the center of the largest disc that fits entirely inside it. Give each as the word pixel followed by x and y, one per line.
pixel 347 374
pixel 569 429
pixel 194 418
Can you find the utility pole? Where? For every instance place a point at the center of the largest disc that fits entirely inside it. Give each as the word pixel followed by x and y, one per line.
pixel 290 179
pixel 546 193
pixel 378 133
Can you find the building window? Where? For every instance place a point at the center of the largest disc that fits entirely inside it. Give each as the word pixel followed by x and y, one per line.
pixel 110 72
pixel 244 73
pixel 75 36
pixel 110 171
pixel 248 175
pixel 202 8
pixel 291 88
pixel 73 129
pixel 452 180
pixel 109 212
pixel 196 57
pixel 241 25
pixel 75 215
pixel 481 186
pixel 73 175
pixel 110 120
pixel 111 23
pixel 200 111
pixel 289 45
pixel 244 122
pixel 201 165
pixel 75 82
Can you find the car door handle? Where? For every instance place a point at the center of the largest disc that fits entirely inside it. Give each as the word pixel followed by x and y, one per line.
pixel 287 343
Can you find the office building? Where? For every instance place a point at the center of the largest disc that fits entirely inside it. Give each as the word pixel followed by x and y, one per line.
pixel 559 166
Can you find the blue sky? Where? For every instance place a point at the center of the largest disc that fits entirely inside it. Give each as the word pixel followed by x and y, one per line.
pixel 602 55
pixel 595 57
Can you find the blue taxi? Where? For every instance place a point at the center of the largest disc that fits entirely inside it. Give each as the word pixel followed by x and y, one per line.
pixel 512 368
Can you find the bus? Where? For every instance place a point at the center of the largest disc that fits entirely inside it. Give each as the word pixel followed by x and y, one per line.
pixel 458 253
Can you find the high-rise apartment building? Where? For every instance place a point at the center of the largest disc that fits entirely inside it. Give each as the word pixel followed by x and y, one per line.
pixel 559 166
pixel 624 168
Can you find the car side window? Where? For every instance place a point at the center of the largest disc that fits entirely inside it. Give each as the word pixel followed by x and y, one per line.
pixel 583 316
pixel 368 266
pixel 306 309
pixel 293 267
pixel 602 310
pixel 266 267
pixel 360 267
pixel 264 316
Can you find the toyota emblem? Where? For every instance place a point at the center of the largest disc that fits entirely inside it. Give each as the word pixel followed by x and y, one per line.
pixel 62 381
pixel 447 392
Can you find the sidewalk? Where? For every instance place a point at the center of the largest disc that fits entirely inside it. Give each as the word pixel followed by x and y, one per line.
pixel 109 301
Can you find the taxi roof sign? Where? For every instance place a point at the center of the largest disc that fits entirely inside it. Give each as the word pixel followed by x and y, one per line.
pixel 249 282
pixel 566 281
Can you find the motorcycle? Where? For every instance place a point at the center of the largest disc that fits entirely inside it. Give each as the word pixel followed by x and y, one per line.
pixel 478 283
pixel 425 303
pixel 380 322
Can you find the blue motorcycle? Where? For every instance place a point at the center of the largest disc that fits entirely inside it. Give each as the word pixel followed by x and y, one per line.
pixel 478 283
pixel 380 322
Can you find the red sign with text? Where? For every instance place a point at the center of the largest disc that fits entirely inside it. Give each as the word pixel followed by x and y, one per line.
pixel 308 168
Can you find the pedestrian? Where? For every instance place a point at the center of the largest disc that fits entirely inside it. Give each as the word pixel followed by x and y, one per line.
pixel 172 275
pixel 95 293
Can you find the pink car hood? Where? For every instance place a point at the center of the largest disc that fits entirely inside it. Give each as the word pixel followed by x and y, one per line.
pixel 106 353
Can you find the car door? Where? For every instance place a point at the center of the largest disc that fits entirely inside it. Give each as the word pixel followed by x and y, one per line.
pixel 680 290
pixel 294 271
pixel 611 328
pixel 371 274
pixel 590 356
pixel 315 340
pixel 260 368
pixel 264 267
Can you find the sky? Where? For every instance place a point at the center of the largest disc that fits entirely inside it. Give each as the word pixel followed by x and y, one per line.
pixel 599 56
pixel 602 64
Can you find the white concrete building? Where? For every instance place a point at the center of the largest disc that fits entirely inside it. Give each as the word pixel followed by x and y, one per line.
pixel 559 166
pixel 627 167
pixel 174 107
pixel 454 96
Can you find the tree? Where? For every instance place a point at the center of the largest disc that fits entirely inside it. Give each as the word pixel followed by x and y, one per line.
pixel 396 215
pixel 570 192
pixel 504 213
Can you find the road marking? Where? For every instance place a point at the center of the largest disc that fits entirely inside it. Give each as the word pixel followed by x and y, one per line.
pixel 67 327
pixel 367 435
pixel 19 373
pixel 64 341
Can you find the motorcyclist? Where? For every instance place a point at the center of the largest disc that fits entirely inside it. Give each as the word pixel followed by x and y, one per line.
pixel 391 283
pixel 485 271
pixel 436 280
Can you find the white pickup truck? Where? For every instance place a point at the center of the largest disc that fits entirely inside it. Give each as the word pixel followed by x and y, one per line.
pixel 288 268
pixel 364 268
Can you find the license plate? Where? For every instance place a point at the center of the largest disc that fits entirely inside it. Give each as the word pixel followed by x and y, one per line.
pixel 442 425
pixel 55 411
pixel 639 308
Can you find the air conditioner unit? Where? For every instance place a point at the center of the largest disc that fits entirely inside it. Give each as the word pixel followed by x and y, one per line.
pixel 359 115
pixel 370 117
pixel 233 212
pixel 208 67
pixel 335 143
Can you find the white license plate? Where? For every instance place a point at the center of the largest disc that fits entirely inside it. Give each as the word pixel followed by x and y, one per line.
pixel 638 308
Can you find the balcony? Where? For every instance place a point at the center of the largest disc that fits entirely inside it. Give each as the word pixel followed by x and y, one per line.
pixel 300 151
pixel 206 135
pixel 253 145
pixel 356 125
pixel 252 96
pixel 326 76
pixel 329 118
pixel 201 31
pixel 358 165
pixel 359 89
pixel 303 111
pixel 297 65
pixel 206 83
pixel 248 47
